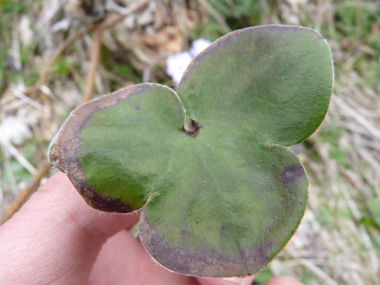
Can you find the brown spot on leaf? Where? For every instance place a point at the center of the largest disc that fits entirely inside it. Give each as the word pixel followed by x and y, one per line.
pixel 291 173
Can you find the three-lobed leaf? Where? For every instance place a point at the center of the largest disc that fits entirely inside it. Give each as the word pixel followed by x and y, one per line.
pixel 221 194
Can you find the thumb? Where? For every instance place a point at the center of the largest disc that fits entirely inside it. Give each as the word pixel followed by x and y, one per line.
pixel 57 233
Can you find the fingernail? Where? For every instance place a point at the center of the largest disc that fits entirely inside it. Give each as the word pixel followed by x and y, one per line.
pixel 241 281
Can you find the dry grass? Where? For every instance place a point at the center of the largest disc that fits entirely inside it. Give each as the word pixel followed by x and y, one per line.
pixel 49 66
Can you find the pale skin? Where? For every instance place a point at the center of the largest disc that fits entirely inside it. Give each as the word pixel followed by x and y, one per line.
pixel 57 239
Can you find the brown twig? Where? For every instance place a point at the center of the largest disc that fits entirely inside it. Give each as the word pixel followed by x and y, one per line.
pixel 26 92
pixel 62 47
pixel 94 61
pixel 23 196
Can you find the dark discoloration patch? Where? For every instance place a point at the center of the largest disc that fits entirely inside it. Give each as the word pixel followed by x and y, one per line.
pixel 63 148
pixel 202 263
pixel 291 173
pixel 137 108
pixel 192 87
pixel 188 262
pixel 193 133
pixel 183 232
pixel 99 201
pixel 257 257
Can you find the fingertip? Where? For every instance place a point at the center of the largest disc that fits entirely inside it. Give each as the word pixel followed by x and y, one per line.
pixel 284 280
pixel 227 281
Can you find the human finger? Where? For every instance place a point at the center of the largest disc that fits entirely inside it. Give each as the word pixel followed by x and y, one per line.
pixel 227 281
pixel 284 280
pixel 55 237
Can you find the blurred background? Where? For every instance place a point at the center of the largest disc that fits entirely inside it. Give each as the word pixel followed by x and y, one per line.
pixel 57 54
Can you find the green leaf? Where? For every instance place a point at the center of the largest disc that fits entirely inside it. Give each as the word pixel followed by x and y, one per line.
pixel 221 194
